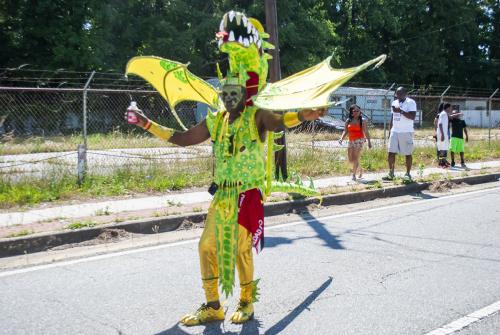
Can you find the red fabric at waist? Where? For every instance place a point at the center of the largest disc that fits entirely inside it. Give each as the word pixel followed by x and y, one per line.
pixel 251 216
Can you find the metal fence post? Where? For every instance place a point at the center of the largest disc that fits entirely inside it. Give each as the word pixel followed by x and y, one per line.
pixel 442 94
pixel 82 162
pixel 489 116
pixel 385 112
pixel 82 150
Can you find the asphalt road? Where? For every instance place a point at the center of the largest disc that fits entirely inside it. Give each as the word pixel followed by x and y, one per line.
pixel 402 269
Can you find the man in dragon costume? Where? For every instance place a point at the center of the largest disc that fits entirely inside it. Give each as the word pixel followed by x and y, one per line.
pixel 247 111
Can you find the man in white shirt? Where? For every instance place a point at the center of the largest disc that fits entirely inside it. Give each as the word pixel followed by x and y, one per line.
pixel 404 110
pixel 443 135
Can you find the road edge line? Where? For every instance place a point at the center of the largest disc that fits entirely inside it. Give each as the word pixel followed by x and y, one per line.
pixel 11 272
pixel 467 320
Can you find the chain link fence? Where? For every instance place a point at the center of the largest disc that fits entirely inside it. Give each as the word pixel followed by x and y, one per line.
pixel 44 121
pixel 41 129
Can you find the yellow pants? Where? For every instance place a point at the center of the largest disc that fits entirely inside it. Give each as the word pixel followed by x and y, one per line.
pixel 208 260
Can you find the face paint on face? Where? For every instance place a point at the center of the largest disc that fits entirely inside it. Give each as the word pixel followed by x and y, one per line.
pixel 232 96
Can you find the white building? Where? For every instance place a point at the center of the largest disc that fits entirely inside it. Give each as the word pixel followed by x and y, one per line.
pixel 375 103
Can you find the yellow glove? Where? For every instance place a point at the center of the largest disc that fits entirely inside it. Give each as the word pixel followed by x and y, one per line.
pixel 159 131
pixel 291 119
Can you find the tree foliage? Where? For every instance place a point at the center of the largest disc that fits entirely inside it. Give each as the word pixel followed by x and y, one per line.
pixel 428 41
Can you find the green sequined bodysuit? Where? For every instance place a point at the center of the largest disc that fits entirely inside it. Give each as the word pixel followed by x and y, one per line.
pixel 240 166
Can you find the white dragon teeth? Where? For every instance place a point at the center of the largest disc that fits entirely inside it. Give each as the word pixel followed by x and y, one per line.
pixel 245 21
pixel 249 29
pixel 259 43
pixel 246 42
pixel 240 40
pixel 232 14
pixel 231 36
pixel 238 19
pixel 251 39
pixel 221 27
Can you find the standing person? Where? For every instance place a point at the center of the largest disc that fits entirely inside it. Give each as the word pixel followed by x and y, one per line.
pixel 235 219
pixel 457 143
pixel 404 110
pixel 443 135
pixel 440 109
pixel 358 135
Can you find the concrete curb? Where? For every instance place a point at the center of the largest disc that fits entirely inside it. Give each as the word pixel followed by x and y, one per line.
pixel 44 241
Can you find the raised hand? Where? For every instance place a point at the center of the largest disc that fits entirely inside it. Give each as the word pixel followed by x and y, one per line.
pixel 142 120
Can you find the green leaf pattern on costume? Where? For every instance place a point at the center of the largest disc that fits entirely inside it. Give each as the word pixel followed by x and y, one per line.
pixel 168 65
pixel 236 171
pixel 226 229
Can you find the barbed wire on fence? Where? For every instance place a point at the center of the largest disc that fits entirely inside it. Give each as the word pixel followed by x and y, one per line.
pixel 35 161
pixel 66 78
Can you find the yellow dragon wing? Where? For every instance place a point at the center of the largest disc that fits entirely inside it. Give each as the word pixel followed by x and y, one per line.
pixel 310 88
pixel 173 81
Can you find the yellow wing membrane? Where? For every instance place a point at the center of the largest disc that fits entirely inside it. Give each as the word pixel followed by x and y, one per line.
pixel 310 88
pixel 173 81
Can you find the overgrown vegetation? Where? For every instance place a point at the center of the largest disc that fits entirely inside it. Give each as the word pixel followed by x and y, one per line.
pixel 61 184
pixel 141 139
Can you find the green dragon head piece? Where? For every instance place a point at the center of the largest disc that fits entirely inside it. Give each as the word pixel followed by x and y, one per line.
pixel 242 38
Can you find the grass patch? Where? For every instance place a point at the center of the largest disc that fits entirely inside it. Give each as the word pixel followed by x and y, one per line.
pixel 322 162
pixel 140 139
pixel 376 185
pixel 60 183
pixel 115 140
pixel 20 233
pixel 81 225
pixel 103 211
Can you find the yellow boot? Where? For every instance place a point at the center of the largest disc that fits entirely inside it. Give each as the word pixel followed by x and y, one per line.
pixel 204 314
pixel 249 294
pixel 243 313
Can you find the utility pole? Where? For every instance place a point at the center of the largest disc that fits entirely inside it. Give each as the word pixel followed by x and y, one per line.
pixel 275 75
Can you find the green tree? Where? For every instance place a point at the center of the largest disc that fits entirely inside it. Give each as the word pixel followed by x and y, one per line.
pixel 427 42
pixel 44 32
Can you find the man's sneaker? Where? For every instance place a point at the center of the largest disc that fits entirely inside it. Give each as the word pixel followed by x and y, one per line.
pixel 204 314
pixel 243 313
pixel 407 179
pixel 389 177
pixel 464 166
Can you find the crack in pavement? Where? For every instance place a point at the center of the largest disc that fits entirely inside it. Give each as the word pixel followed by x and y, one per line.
pixel 85 316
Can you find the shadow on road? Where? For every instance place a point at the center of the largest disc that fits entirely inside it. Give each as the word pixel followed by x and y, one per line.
pixel 331 241
pixel 252 326
pixel 283 323
pixel 423 196
pixel 216 328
